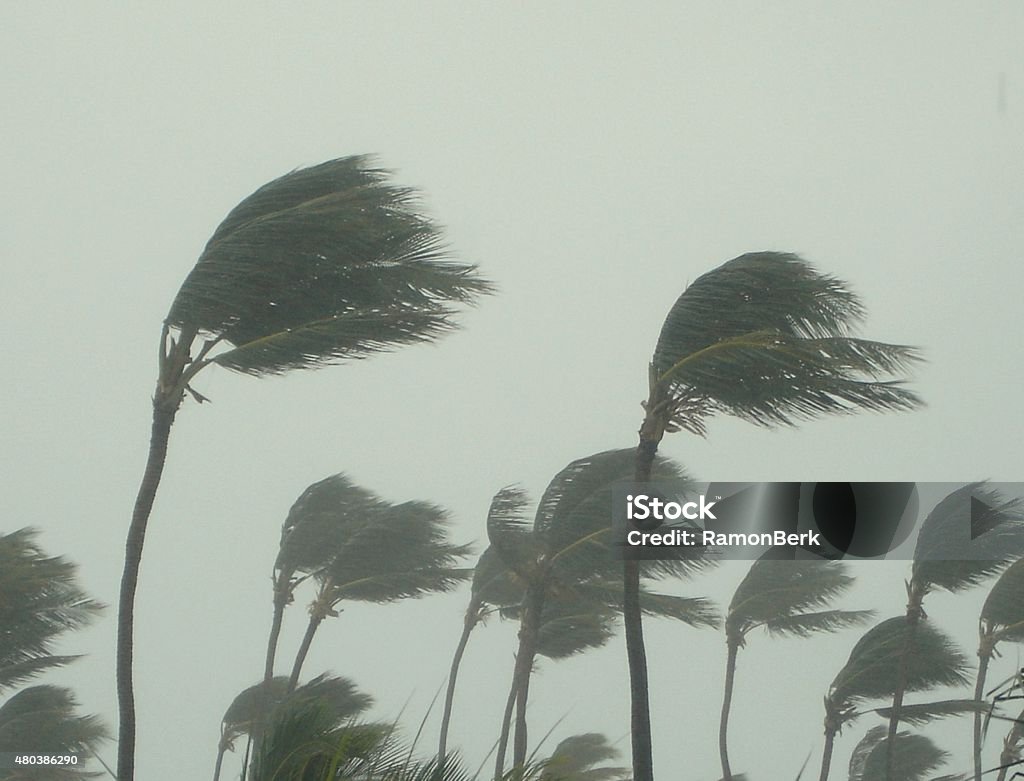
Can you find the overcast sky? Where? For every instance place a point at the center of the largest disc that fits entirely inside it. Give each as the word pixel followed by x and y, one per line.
pixel 592 158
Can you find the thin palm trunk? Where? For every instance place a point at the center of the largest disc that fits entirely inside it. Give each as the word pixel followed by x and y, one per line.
pixel 826 754
pixel 280 603
pixel 915 611
pixel 506 728
pixel 164 411
pixel 651 433
pixel 529 632
pixel 723 726
pixel 300 657
pixel 469 623
pixel 220 760
pixel 984 657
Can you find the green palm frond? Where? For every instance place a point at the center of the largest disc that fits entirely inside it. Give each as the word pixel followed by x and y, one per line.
pixel 44 720
pixel 872 671
pixel 956 549
pixel 509 531
pixel 915 757
pixel 582 758
pixel 568 629
pixel 494 583
pixel 786 597
pixel 926 712
pixel 1002 615
pixel 40 599
pixel 326 263
pixel 766 337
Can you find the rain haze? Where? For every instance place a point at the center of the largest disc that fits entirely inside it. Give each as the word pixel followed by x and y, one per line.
pixel 593 159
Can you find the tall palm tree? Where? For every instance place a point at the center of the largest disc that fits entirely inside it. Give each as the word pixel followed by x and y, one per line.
pixel 568 553
pixel 384 553
pixel 967 538
pixel 787 598
pixel 44 720
pixel 40 599
pixel 325 264
pixel 764 337
pixel 1002 620
pixel 873 671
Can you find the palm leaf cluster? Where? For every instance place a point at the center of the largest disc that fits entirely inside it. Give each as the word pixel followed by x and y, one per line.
pixel 326 263
pixel 915 757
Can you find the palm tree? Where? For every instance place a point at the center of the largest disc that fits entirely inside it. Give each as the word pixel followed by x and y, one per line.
pixel 568 554
pixel 967 538
pixel 325 264
pixel 764 337
pixel 787 598
pixel 873 672
pixel 340 698
pixel 915 757
pixel 44 720
pixel 40 599
pixel 384 553
pixel 1002 619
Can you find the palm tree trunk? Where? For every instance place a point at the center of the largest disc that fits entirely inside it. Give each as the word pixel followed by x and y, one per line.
pixel 529 631
pixel 468 624
pixel 651 432
pixel 915 611
pixel 220 760
pixel 826 754
pixel 300 657
pixel 165 406
pixel 984 657
pixel 506 728
pixel 723 726
pixel 280 603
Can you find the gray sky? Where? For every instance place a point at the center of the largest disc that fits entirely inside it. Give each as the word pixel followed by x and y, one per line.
pixel 592 158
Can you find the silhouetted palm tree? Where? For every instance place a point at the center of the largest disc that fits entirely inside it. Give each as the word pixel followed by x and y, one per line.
pixel 322 265
pixel 383 553
pixel 766 338
pixel 39 600
pixel 568 554
pixel 786 598
pixel 873 672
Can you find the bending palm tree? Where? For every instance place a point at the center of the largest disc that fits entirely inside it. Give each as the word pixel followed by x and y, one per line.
pixel 786 598
pixel 322 265
pixel 764 337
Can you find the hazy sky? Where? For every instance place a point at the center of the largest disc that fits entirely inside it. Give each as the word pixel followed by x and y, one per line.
pixel 592 158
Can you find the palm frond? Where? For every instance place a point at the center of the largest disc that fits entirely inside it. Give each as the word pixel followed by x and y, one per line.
pixel 509 531
pixel 914 757
pixel 1002 615
pixel 766 337
pixel 581 758
pixel 806 624
pixel 494 583
pixel 957 549
pixel 926 712
pixel 323 264
pixel 44 720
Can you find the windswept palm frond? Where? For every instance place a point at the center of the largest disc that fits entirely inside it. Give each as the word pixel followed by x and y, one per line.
pixel 919 714
pixel 582 758
pixel 915 757
pixel 1002 615
pixel 40 599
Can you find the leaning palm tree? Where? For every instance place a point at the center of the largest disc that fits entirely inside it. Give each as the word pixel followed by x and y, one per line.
pixel 40 599
pixel 1002 620
pixel 764 337
pixel 384 553
pixel 873 671
pixel 967 538
pixel 568 552
pixel 786 598
pixel 325 264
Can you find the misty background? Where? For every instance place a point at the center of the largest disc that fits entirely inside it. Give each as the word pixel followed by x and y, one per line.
pixel 593 159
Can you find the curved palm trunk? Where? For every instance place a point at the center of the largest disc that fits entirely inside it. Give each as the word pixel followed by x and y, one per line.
pixel 651 432
pixel 984 657
pixel 915 611
pixel 529 632
pixel 300 657
pixel 280 603
pixel 468 624
pixel 220 761
pixel 723 726
pixel 164 410
pixel 826 754
pixel 506 728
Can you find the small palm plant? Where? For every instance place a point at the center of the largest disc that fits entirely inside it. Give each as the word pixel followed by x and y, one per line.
pixel 567 555
pixel 325 264
pixel 873 672
pixel 766 338
pixel 787 598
